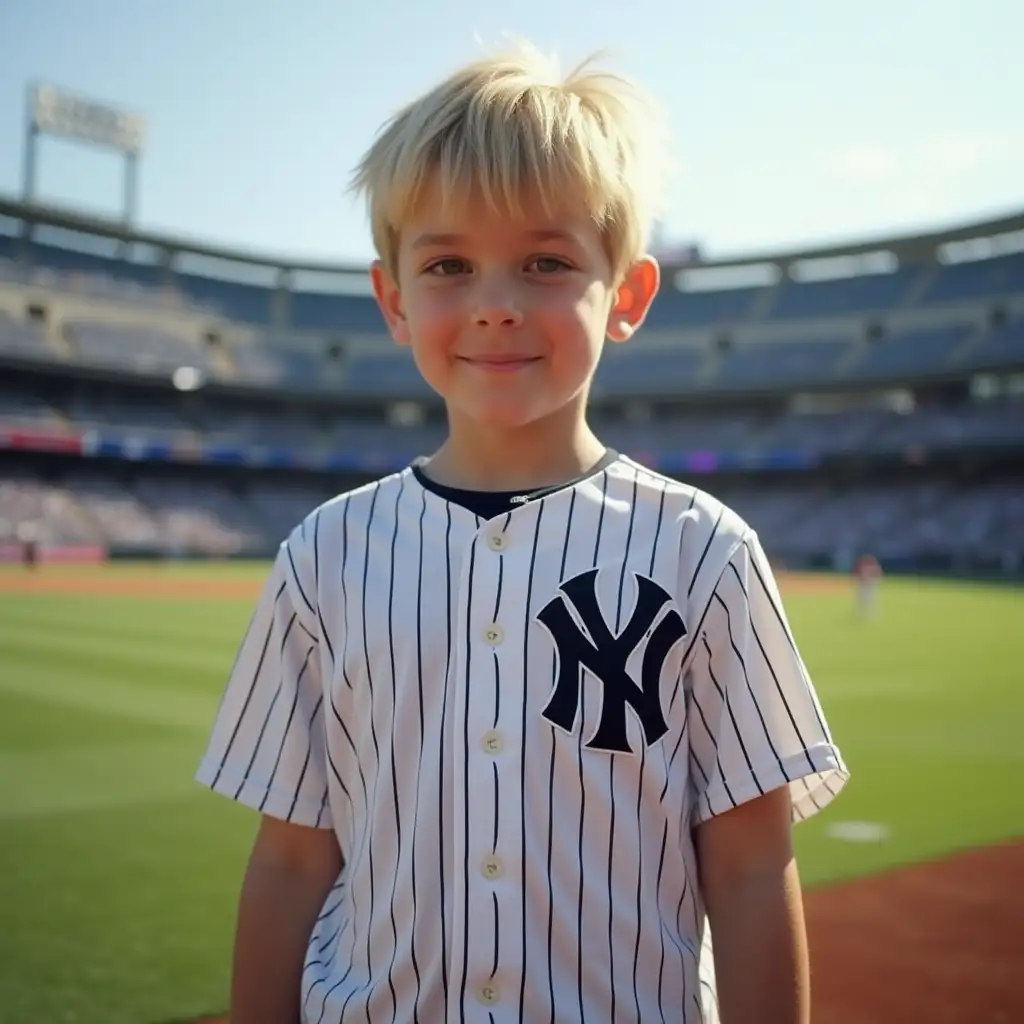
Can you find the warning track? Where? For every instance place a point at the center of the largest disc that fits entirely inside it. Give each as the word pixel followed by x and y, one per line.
pixel 97 585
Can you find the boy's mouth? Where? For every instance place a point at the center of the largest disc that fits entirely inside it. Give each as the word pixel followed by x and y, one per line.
pixel 500 363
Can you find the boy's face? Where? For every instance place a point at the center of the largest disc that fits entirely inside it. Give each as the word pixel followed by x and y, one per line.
pixel 506 318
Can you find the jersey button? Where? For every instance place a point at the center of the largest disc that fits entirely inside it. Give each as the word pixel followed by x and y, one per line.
pixel 497 542
pixel 492 868
pixel 493 634
pixel 492 742
pixel 488 993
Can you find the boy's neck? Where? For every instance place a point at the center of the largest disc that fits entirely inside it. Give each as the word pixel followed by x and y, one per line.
pixel 528 458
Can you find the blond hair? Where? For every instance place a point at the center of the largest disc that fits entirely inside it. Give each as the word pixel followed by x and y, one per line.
pixel 507 127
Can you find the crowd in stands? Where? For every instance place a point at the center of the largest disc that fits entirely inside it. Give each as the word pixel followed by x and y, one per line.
pixel 799 520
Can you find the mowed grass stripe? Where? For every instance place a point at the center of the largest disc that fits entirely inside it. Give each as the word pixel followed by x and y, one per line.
pixel 60 681
pixel 172 658
pixel 122 915
pixel 67 725
pixel 204 624
pixel 147 661
pixel 86 778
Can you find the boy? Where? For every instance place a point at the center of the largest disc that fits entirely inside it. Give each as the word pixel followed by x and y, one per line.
pixel 522 716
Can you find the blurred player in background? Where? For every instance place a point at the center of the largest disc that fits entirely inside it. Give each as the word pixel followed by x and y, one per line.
pixel 868 572
pixel 28 538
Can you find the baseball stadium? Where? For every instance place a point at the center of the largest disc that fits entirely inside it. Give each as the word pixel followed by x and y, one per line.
pixel 170 410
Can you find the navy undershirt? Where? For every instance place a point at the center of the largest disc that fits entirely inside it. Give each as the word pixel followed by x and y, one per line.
pixel 491 504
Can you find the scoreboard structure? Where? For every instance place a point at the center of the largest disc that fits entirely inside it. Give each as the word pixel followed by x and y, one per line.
pixel 55 112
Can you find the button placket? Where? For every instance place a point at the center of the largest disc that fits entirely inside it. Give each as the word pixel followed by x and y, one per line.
pixel 492 742
pixel 488 993
pixel 492 867
pixel 493 634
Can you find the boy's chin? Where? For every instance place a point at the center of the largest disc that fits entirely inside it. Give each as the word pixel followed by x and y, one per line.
pixel 501 416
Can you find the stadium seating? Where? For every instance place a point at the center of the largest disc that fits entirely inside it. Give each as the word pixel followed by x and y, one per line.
pixel 778 363
pixel 22 407
pixel 647 370
pixel 311 311
pixel 999 276
pixel 388 372
pixel 798 519
pixel 912 353
pixel 673 309
pixel 272 360
pixel 855 430
pixel 141 416
pixel 80 274
pixel 194 516
pixel 87 271
pixel 117 516
pixel 319 372
pixel 871 293
pixel 832 433
pixel 259 365
pixel 279 506
pixel 18 338
pixel 57 512
pixel 683 434
pixel 139 349
pixel 246 303
pixel 1000 346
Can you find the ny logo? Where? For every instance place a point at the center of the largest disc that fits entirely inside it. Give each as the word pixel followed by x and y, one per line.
pixel 606 655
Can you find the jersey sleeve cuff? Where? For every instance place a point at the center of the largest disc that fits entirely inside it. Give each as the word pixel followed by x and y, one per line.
pixel 231 781
pixel 815 777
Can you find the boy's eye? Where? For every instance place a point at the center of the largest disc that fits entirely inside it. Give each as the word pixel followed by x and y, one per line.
pixel 446 267
pixel 548 264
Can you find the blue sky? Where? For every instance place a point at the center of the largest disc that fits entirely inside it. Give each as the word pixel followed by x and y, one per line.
pixel 795 122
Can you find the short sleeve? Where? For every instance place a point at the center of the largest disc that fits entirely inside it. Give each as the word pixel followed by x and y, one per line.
pixel 755 719
pixel 267 747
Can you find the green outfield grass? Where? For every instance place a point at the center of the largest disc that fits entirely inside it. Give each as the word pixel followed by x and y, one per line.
pixel 119 874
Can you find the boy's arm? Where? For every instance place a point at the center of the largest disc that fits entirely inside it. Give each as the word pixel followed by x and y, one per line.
pixel 291 869
pixel 268 751
pixel 761 759
pixel 751 890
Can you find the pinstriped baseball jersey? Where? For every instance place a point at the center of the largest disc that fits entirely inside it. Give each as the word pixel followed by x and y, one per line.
pixel 511 724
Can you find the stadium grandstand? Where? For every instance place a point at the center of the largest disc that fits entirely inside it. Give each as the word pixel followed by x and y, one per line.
pixel 162 398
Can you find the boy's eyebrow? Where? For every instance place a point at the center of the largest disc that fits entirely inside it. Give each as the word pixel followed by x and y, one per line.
pixel 431 239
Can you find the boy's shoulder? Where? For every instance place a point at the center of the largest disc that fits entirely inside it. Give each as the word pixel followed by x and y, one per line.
pixel 705 534
pixel 326 530
pixel 355 504
pixel 704 518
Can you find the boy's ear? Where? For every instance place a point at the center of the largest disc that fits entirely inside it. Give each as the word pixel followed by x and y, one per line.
pixel 389 298
pixel 633 298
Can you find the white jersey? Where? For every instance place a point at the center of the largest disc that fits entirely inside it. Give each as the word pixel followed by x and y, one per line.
pixel 512 725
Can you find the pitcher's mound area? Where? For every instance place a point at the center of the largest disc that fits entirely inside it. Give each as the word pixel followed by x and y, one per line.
pixel 936 943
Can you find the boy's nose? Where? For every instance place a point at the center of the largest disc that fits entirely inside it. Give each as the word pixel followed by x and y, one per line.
pixel 497 310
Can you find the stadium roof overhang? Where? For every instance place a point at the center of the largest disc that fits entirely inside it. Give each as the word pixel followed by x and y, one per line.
pixel 908 248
